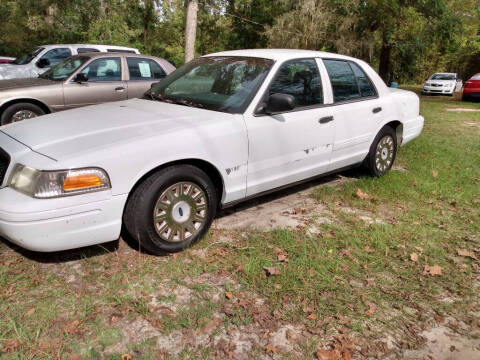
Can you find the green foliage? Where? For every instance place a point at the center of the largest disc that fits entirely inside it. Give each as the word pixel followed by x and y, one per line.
pixel 410 38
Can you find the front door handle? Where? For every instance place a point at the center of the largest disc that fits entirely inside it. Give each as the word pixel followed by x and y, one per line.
pixel 377 110
pixel 120 88
pixel 325 119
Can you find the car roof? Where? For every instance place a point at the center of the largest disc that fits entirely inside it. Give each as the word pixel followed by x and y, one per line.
pixel 114 53
pixel 445 74
pixel 280 54
pixel 89 45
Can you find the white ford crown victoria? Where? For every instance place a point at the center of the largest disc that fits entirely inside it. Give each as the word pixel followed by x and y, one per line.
pixel 221 129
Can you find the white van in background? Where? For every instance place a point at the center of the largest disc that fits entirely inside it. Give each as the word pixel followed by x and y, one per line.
pixel 40 59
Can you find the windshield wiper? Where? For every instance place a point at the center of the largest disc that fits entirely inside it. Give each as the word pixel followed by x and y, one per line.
pixel 184 102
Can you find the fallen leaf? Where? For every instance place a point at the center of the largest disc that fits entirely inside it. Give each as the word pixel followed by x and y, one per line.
pixel 212 324
pixel 10 345
pixel 345 252
pixel 433 270
pixel 435 173
pixel 372 307
pixel 126 357
pixel 75 357
pixel 269 348
pixel 346 355
pixel 312 316
pixel 282 255
pixel 414 256
pixel 329 354
pixel 30 312
pixel 271 270
pixel 72 327
pixel 361 194
pixel 229 295
pixel 466 253
pixel 368 250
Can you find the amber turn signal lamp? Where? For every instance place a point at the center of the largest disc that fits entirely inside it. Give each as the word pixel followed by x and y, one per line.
pixel 81 182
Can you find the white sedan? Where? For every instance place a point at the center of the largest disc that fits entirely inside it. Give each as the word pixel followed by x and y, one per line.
pixel 441 83
pixel 221 129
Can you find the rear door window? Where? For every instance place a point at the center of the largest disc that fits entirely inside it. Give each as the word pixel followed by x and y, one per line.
pixel 342 78
pixel 366 87
pixel 144 69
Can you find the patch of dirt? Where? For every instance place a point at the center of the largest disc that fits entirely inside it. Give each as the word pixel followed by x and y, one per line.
pixel 462 110
pixel 471 124
pixel 444 344
pixel 291 208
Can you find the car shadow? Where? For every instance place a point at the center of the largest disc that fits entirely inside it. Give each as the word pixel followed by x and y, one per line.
pixel 127 244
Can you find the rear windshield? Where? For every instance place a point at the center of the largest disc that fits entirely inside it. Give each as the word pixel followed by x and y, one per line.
pixel 26 58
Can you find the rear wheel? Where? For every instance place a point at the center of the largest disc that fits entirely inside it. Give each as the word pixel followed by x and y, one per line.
pixel 171 209
pixel 382 152
pixel 20 111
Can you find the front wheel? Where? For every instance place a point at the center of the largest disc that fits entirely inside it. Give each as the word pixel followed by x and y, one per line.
pixel 382 152
pixel 171 209
pixel 20 111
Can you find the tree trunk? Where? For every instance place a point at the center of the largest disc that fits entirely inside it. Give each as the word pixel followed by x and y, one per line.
pixel 384 67
pixel 191 29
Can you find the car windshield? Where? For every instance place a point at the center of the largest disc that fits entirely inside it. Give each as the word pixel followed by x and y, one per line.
pixel 26 58
pixel 443 77
pixel 475 77
pixel 219 83
pixel 63 70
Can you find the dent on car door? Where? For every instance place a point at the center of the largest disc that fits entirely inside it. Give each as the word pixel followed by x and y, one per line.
pixel 357 110
pixel 104 84
pixel 143 72
pixel 295 145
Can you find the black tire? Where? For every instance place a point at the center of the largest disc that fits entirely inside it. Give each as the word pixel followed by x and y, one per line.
pixel 383 152
pixel 142 207
pixel 7 115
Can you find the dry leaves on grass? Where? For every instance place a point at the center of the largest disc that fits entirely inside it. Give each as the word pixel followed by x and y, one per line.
pixel 414 256
pixel 312 317
pixel 432 270
pixel 211 325
pixel 435 173
pixel 368 250
pixel 362 195
pixel 126 357
pixel 372 307
pixel 271 270
pixel 269 348
pixel 10 345
pixel 282 255
pixel 466 253
pixel 72 327
pixel 229 295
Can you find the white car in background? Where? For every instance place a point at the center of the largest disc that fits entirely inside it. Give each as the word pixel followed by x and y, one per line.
pixel 223 128
pixel 441 83
pixel 42 58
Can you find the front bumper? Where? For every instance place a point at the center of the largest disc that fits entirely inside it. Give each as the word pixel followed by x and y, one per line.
pixel 438 90
pixel 62 223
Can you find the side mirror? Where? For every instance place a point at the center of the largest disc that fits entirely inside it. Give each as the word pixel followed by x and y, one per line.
pixel 278 103
pixel 43 63
pixel 80 78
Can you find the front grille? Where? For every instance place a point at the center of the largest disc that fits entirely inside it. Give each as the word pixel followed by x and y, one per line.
pixel 4 162
pixel 437 85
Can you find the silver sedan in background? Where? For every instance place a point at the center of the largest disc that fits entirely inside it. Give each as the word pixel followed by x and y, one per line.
pixel 81 80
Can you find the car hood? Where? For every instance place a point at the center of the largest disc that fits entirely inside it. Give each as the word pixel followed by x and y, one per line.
pixel 24 83
pixel 12 71
pixel 79 131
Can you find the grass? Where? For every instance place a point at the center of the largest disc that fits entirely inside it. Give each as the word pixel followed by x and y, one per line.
pixel 430 207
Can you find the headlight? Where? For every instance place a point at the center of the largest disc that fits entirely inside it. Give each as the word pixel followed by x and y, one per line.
pixel 51 184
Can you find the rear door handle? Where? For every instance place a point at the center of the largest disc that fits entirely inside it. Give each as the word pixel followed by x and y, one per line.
pixel 325 119
pixel 120 88
pixel 377 110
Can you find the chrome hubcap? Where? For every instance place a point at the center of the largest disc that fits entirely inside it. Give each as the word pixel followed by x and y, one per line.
pixel 384 153
pixel 180 212
pixel 22 115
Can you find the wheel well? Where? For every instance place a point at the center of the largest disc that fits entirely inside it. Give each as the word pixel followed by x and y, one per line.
pixel 31 101
pixel 398 127
pixel 211 171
